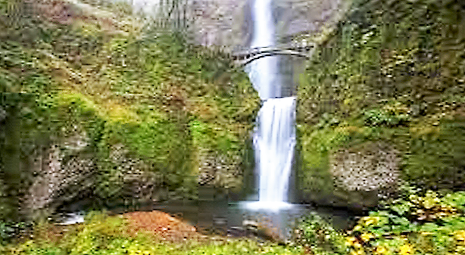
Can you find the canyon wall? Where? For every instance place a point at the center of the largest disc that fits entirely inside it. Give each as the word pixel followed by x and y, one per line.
pixel 228 23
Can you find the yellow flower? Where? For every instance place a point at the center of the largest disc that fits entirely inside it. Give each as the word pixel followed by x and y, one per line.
pixel 357 245
pixel 406 249
pixel 370 221
pixel 460 235
pixel 367 237
pixel 425 233
pixel 359 252
pixel 381 250
pixel 357 228
pixel 350 240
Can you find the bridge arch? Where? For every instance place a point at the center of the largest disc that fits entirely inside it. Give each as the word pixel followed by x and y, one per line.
pixel 245 57
pixel 268 54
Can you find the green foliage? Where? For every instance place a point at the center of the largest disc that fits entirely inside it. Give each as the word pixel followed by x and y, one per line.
pixel 10 231
pixel 385 50
pixel 212 137
pixel 436 160
pixel 390 116
pixel 121 83
pixel 318 236
pixel 104 235
pixel 161 142
pixel 417 222
pixel 77 105
pixel 412 224
pixel 384 76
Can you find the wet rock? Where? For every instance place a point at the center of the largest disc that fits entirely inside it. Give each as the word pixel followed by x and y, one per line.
pixel 368 167
pixel 264 231
pixel 364 173
pixel 222 171
pixel 61 172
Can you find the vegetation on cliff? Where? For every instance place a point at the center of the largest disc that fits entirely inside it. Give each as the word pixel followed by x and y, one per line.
pixel 95 102
pixel 114 93
pixel 393 72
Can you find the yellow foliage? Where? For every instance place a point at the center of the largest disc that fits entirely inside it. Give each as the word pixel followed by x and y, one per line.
pixel 118 113
pixel 350 241
pixel 357 252
pixel 381 250
pixel 367 221
pixel 406 249
pixel 367 237
pixel 460 236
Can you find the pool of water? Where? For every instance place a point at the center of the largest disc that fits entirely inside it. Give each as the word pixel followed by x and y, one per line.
pixel 236 219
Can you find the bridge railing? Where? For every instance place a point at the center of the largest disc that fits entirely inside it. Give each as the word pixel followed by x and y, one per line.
pixel 249 55
pixel 306 46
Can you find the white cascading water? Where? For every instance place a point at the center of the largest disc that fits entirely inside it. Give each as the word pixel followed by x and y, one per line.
pixel 274 143
pixel 274 138
pixel 263 72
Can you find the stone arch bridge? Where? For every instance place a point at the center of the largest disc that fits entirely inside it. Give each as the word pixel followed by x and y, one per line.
pixel 242 57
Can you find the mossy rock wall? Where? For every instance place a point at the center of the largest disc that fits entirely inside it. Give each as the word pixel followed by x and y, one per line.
pixel 113 108
pixel 392 73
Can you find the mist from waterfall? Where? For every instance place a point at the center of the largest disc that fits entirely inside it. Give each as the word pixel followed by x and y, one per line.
pixel 274 137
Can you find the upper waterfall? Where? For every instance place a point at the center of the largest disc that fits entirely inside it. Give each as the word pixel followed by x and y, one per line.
pixel 264 72
pixel 274 138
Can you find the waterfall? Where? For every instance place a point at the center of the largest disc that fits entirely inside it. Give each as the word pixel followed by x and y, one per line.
pixel 274 143
pixel 274 137
pixel 263 72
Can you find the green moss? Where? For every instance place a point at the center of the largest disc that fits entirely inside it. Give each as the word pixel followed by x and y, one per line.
pixel 162 143
pixel 383 75
pixel 316 145
pixel 77 103
pixel 437 161
pixel 109 235
pixel 123 84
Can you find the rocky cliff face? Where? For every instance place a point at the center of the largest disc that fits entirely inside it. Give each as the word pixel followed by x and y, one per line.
pixel 307 17
pixel 228 23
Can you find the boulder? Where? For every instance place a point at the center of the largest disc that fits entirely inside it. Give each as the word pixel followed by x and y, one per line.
pixel 136 181
pixel 60 172
pixel 222 171
pixel 367 167
pixel 358 177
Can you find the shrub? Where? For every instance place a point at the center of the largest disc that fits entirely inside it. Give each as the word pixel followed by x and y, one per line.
pixel 437 161
pixel 318 236
pixel 390 116
pixel 417 222
pixel 412 224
